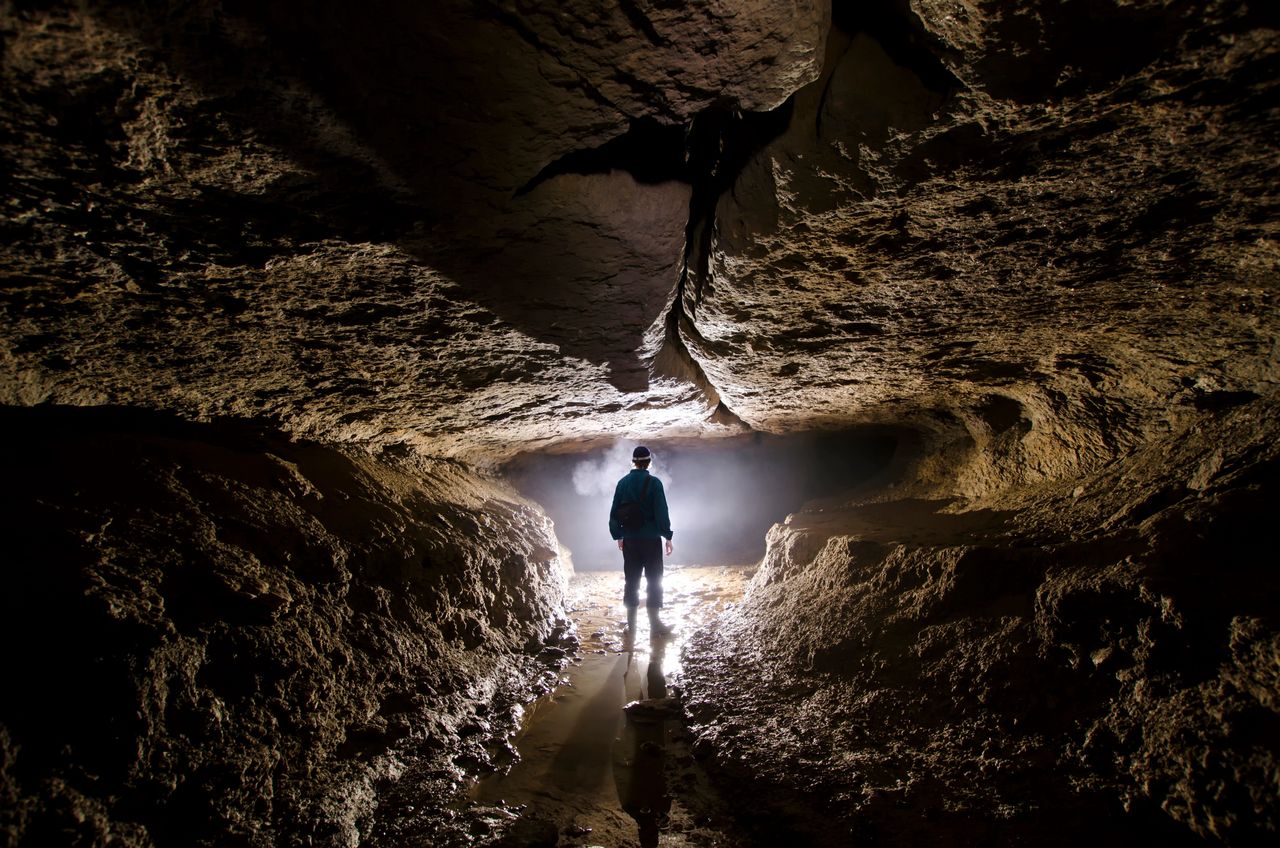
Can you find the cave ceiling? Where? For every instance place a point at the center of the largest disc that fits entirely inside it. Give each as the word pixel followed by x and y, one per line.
pixel 485 227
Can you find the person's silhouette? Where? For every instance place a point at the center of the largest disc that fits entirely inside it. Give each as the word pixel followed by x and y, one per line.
pixel 639 521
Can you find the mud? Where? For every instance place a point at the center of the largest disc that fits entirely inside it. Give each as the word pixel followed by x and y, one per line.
pixel 606 758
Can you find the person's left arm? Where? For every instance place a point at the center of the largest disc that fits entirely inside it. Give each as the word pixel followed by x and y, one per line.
pixel 661 516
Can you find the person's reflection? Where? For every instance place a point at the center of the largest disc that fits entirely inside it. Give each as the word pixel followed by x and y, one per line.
pixel 642 785
pixel 657 680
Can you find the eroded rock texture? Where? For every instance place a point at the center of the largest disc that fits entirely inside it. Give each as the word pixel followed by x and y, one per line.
pixel 1073 264
pixel 1038 239
pixel 483 227
pixel 360 224
pixel 216 636
pixel 1081 254
pixel 366 226
pixel 1074 663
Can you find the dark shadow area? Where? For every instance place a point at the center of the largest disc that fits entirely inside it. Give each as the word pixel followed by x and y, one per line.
pixel 642 788
pixel 895 28
pixel 197 599
pixel 723 495
pixel 649 151
pixel 911 520
pixel 99 618
pixel 24 425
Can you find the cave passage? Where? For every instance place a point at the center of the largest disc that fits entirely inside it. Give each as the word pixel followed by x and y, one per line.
pixel 606 756
pixel 329 328
pixel 723 496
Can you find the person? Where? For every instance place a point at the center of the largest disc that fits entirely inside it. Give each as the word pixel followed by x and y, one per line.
pixel 641 545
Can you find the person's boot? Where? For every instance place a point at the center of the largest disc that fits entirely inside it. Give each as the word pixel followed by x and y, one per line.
pixel 629 635
pixel 656 627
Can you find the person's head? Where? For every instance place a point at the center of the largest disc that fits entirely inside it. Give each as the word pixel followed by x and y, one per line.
pixel 641 457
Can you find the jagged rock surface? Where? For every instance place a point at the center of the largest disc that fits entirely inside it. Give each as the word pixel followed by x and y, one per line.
pixel 1079 662
pixel 465 229
pixel 1072 272
pixel 340 220
pixel 1038 235
pixel 357 225
pixel 1047 258
pixel 216 635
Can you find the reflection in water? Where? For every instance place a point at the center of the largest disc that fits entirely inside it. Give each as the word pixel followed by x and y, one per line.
pixel 593 754
pixel 656 679
pixel 642 785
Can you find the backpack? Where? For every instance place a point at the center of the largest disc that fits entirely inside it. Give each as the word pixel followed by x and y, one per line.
pixel 630 514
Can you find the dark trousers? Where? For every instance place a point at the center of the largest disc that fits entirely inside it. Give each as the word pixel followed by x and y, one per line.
pixel 642 556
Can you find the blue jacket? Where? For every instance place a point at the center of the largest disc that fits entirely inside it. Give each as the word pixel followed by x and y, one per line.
pixel 657 521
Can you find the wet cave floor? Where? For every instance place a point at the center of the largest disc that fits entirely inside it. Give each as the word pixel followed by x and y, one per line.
pixel 605 758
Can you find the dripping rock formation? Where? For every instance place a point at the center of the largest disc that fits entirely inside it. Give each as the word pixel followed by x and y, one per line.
pixel 291 290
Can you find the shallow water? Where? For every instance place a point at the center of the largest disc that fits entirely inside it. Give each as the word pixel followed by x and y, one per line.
pixel 605 758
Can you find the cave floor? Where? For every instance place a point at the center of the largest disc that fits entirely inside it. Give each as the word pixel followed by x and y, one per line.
pixel 605 757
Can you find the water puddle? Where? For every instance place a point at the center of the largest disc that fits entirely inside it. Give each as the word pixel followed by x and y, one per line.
pixel 605 759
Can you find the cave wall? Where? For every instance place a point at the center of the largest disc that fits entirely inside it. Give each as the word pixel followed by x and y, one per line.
pixel 1045 231
pixel 1039 237
pixel 215 635
pixel 1092 660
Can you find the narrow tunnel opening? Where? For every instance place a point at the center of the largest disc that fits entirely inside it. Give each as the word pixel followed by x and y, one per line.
pixel 609 745
pixel 723 495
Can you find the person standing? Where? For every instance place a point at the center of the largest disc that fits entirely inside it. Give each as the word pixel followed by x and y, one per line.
pixel 639 521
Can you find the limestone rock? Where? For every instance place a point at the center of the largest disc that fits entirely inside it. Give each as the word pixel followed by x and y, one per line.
pixel 229 635
pixel 340 220
pixel 909 243
pixel 482 228
pixel 1024 667
pixel 306 265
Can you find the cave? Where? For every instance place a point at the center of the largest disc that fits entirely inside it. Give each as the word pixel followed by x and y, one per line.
pixel 329 328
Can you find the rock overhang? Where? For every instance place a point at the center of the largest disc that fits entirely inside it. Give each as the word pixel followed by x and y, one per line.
pixel 376 230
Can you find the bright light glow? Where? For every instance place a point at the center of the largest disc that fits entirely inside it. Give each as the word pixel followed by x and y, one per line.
pixel 692 596
pixel 723 495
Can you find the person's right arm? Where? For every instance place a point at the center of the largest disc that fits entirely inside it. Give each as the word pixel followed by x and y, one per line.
pixel 615 530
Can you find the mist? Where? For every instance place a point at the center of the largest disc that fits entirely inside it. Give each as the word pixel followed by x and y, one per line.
pixel 723 495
